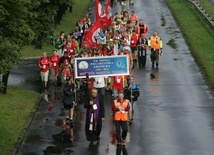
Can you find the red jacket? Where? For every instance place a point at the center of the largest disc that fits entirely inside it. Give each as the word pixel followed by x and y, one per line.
pixel 44 63
pixel 54 60
pixel 134 39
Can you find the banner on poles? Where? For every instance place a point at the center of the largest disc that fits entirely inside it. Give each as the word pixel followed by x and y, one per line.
pixel 102 66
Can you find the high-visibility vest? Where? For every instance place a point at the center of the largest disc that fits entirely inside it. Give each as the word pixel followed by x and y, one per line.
pixel 119 115
pixel 155 42
pixel 145 30
pixel 133 18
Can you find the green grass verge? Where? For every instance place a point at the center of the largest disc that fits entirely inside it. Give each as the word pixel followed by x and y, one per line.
pixel 208 5
pixel 198 34
pixel 67 25
pixel 15 109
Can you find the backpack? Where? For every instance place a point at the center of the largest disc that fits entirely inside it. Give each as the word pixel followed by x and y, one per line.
pixel 135 92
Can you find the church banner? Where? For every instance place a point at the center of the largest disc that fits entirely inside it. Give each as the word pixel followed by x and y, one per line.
pixel 102 66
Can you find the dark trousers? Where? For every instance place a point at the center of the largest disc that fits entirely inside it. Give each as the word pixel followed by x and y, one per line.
pixel 142 57
pixel 155 56
pixel 124 126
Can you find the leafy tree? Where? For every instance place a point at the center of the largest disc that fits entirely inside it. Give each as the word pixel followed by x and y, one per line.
pixel 14 33
pixel 21 22
pixel 43 20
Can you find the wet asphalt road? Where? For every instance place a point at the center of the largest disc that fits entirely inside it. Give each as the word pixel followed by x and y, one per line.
pixel 174 114
pixel 26 75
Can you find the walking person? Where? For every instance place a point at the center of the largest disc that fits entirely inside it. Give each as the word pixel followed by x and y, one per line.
pixel 54 67
pixel 141 28
pixel 44 65
pixel 142 44
pixel 121 107
pixel 54 61
pixel 58 45
pixel 131 93
pixel 68 101
pixel 63 73
pixel 155 45
pixel 95 115
pixel 117 85
pixel 133 19
pixel 133 45
pixel 68 98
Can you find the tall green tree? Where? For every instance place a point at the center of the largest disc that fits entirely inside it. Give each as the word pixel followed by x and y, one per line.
pixel 15 32
pixel 21 23
pixel 43 20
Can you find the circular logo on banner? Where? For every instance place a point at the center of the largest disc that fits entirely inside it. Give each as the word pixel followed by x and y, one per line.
pixel 119 63
pixel 83 65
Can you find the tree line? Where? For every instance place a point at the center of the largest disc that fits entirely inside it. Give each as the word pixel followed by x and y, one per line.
pixel 25 22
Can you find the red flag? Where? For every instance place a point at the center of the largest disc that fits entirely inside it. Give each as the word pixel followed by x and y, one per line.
pixel 101 14
pixel 90 37
pixel 108 13
pixel 99 11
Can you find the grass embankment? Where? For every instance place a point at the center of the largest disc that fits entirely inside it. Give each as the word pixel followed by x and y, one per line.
pixel 208 5
pixel 67 25
pixel 15 109
pixel 198 34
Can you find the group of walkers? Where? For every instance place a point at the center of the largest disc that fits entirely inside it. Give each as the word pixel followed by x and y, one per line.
pixel 126 36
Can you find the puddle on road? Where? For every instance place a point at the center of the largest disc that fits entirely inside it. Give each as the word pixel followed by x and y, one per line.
pixel 172 43
pixel 163 20
pixel 61 142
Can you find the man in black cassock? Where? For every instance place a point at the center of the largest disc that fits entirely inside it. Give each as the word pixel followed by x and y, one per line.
pixel 94 117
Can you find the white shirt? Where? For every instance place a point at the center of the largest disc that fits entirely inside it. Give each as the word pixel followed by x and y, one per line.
pixel 115 49
pixel 99 82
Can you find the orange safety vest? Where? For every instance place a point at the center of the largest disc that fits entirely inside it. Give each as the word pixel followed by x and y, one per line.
pixel 155 42
pixel 133 19
pixel 145 30
pixel 119 115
